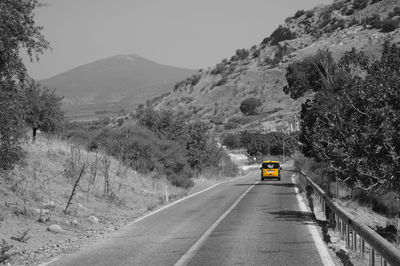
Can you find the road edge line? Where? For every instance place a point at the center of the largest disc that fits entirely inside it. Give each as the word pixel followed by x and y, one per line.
pixel 179 200
pixel 199 243
pixel 158 210
pixel 320 245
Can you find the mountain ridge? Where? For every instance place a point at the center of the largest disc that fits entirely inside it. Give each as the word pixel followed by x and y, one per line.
pixel 215 94
pixel 120 78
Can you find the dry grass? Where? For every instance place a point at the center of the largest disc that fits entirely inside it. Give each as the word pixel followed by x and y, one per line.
pixel 35 194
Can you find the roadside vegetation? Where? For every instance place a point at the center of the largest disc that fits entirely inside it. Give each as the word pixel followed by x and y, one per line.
pixel 62 177
pixel 259 145
pixel 350 128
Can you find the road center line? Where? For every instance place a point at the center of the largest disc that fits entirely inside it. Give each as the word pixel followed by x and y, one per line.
pixel 322 250
pixel 199 243
pixel 182 199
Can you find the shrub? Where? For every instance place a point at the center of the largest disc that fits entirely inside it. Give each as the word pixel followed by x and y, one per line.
pixel 299 13
pixel 221 82
pixel 238 120
pixel 395 12
pixel 349 12
pixel 219 68
pixel 309 13
pixel 338 24
pixel 374 21
pixel 232 141
pixel 256 53
pixel 217 120
pixel 353 22
pixel 249 106
pixel 351 123
pixel 195 79
pixel 338 5
pixel 281 34
pixel 231 125
pixel 360 4
pixel 389 25
pixel 242 54
pixel 265 41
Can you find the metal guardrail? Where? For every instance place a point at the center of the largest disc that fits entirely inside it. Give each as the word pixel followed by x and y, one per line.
pixel 355 233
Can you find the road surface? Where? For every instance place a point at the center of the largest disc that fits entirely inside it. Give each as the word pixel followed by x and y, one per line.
pixel 240 222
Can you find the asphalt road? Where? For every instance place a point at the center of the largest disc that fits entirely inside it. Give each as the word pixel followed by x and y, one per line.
pixel 241 222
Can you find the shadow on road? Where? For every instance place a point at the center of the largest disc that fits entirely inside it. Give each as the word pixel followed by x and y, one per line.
pixel 269 183
pixel 296 216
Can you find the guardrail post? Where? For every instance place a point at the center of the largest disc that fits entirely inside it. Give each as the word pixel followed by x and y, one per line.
pixel 341 229
pixel 354 238
pixel 371 256
pixel 337 223
pixel 348 236
pixel 362 246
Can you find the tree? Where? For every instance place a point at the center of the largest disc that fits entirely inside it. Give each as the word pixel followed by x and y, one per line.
pixel 17 30
pixel 43 108
pixel 249 106
pixel 196 143
pixel 352 123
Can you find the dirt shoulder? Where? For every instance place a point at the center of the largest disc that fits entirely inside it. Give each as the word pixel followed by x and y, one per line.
pixel 35 223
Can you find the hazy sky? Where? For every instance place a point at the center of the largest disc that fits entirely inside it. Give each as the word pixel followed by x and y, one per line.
pixel 186 33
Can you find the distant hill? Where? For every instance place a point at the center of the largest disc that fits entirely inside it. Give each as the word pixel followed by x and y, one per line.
pixel 215 94
pixel 125 79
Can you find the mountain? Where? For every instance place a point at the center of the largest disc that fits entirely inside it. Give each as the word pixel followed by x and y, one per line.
pixel 215 94
pixel 127 79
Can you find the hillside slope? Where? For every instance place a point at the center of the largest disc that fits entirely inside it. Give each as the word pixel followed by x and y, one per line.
pixel 259 72
pixel 130 79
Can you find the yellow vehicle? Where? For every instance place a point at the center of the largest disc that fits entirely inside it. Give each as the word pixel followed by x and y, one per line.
pixel 270 170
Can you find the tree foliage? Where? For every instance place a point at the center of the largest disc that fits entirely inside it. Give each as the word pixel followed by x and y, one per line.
pixel 259 145
pixel 43 108
pixel 17 30
pixel 353 122
pixel 249 106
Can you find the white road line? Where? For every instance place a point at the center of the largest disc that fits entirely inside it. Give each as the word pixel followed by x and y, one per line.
pixel 321 247
pixel 199 243
pixel 182 199
pixel 162 208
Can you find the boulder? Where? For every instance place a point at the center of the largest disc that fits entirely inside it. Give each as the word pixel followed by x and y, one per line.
pixel 55 228
pixel 93 219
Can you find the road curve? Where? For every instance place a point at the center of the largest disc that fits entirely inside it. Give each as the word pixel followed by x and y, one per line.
pixel 241 222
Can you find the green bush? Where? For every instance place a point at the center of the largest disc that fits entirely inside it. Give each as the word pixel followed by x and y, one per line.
pixel 232 141
pixel 242 54
pixel 273 143
pixel 299 13
pixel 352 122
pixel 337 24
pixel 221 82
pixel 219 68
pixel 309 13
pixel 374 21
pixel 217 120
pixel 231 125
pixel 241 120
pixel 281 34
pixel 249 106
pixel 256 53
pixel 338 5
pixel 389 25
pixel 395 12
pixel 360 4
pixel 386 204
